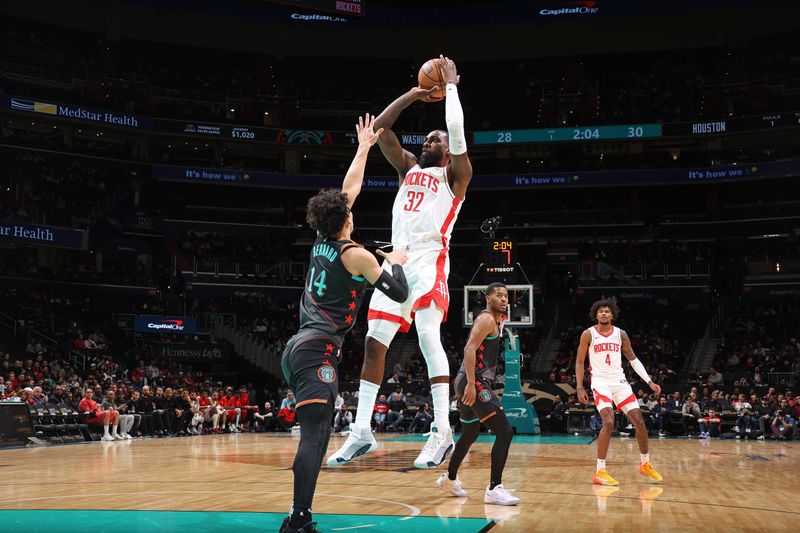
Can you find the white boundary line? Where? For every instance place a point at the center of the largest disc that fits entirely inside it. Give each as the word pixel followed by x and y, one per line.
pixel 414 511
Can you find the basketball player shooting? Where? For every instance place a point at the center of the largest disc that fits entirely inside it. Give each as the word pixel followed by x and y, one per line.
pixel 478 404
pixel 339 270
pixel 604 342
pixel 432 189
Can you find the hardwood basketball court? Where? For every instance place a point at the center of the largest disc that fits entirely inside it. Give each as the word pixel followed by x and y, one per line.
pixel 243 483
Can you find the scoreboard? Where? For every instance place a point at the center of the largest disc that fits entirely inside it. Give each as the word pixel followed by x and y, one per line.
pixel 500 257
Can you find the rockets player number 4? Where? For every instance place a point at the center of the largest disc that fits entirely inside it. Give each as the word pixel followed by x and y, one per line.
pixel 605 345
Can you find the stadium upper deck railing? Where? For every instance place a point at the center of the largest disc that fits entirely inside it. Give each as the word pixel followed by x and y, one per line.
pixel 593 270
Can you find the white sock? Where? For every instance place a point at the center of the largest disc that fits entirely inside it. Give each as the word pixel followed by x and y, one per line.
pixel 645 457
pixel 367 393
pixel 114 430
pixel 105 430
pixel 601 464
pixel 441 404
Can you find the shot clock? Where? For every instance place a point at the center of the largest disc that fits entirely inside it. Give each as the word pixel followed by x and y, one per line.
pixel 501 253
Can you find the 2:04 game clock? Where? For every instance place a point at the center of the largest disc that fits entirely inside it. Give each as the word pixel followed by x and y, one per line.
pixel 501 252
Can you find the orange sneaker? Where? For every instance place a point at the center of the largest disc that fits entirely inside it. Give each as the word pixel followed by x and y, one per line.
pixel 648 470
pixel 602 477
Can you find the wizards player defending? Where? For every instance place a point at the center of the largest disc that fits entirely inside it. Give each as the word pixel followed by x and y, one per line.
pixel 339 270
pixel 432 189
pixel 604 343
pixel 478 404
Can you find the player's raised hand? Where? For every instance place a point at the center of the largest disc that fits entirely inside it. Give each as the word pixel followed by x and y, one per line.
pixel 395 257
pixel 366 135
pixel 449 71
pixel 582 396
pixel 421 93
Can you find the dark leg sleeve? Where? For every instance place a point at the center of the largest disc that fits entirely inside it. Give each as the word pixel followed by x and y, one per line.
pixel 503 433
pixel 315 429
pixel 469 433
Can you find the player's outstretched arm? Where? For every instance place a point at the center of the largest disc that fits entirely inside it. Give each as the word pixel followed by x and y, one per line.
pixel 484 325
pixel 460 167
pixel 360 262
pixel 580 360
pixel 367 137
pixel 400 159
pixel 627 351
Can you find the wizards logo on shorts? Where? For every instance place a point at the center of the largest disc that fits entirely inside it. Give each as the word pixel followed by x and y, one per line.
pixel 484 395
pixel 326 374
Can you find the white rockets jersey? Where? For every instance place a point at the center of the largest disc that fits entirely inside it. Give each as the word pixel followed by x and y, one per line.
pixel 425 208
pixel 605 355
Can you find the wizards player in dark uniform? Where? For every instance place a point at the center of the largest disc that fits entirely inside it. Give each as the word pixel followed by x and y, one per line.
pixel 477 404
pixel 337 277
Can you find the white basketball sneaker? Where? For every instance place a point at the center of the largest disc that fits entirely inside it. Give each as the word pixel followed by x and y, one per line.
pixel 451 486
pixel 440 443
pixel 359 442
pixel 499 496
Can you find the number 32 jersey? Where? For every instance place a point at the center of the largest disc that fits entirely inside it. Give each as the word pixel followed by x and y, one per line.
pixel 425 209
pixel 605 355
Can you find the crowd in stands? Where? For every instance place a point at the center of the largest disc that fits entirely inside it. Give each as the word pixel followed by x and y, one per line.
pixel 634 251
pixel 75 266
pixel 138 77
pixel 80 367
pixel 58 190
pixel 216 247
pixel 148 401
pixel 705 413
pixel 761 337
pixel 130 395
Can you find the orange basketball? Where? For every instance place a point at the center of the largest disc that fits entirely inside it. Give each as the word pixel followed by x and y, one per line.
pixel 430 75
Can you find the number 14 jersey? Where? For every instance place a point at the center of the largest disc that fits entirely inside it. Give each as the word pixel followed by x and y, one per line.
pixel 332 295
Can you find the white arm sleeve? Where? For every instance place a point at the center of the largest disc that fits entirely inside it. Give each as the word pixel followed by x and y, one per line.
pixel 639 368
pixel 454 116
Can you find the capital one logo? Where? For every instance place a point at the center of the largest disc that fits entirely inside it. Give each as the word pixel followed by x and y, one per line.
pixel 517 412
pixel 514 394
pixel 172 324
pixel 586 7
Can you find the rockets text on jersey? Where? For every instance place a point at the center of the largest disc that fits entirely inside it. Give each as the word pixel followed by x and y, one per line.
pixel 425 208
pixel 605 355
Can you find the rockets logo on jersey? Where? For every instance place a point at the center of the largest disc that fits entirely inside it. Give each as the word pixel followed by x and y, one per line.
pixel 605 354
pixel 423 180
pixel 606 347
pixel 425 208
pixel 420 180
